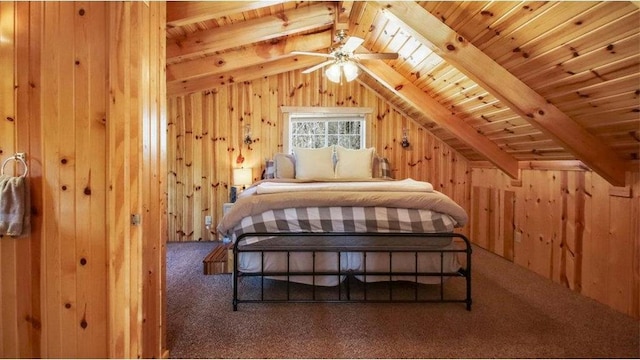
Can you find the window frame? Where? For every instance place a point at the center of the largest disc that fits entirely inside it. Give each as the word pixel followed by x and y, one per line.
pixel 318 113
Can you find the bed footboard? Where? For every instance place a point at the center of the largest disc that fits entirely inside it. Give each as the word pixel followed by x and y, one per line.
pixel 364 244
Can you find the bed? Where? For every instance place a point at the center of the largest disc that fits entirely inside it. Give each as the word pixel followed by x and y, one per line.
pixel 352 234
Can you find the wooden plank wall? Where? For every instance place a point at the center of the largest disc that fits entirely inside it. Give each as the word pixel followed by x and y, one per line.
pixel 205 133
pixel 56 67
pixel 20 279
pixel 492 223
pixel 73 105
pixel 572 227
pixel 137 175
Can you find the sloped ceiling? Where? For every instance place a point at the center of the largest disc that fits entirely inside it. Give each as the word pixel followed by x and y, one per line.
pixel 504 81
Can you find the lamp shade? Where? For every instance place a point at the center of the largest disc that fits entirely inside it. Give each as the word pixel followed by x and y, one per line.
pixel 333 72
pixel 350 70
pixel 242 177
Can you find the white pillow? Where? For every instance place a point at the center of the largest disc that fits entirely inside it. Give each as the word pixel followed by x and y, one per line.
pixel 354 164
pixel 314 164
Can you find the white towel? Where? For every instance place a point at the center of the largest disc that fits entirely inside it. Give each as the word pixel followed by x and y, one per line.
pixel 14 205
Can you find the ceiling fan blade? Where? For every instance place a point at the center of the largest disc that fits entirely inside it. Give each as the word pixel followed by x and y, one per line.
pixel 375 56
pixel 316 67
pixel 312 54
pixel 351 44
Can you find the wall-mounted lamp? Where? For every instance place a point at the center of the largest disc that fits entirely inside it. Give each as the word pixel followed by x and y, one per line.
pixel 247 134
pixel 405 138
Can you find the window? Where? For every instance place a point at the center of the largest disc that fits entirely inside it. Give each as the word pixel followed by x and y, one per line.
pixel 337 126
pixel 314 132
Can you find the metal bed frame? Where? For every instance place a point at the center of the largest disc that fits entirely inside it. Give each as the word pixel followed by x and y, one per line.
pixel 339 246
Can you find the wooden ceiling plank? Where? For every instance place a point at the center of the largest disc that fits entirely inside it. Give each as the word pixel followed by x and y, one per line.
pixel 468 98
pixel 591 85
pixel 619 125
pixel 614 51
pixel 509 89
pixel 505 122
pixel 559 13
pixel 434 70
pixel 180 13
pixel 585 23
pixel 466 10
pixel 498 18
pixel 520 133
pixel 595 109
pixel 374 29
pixel 605 101
pixel 577 84
pixel 204 83
pixel 239 34
pixel 446 86
pixel 404 89
pixel 247 56
pixel 595 123
pixel 410 54
pixel 582 45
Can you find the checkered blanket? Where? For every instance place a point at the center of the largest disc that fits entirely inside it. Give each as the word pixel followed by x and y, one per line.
pixel 345 219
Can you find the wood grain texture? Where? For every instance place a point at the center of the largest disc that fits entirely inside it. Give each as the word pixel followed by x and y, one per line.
pixel 570 229
pixel 135 126
pixel 11 336
pixel 526 102
pixel 55 105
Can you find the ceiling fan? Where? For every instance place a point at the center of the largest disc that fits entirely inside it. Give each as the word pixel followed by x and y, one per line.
pixel 342 59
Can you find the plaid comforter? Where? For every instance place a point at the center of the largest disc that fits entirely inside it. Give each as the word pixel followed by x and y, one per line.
pixel 339 210
pixel 345 219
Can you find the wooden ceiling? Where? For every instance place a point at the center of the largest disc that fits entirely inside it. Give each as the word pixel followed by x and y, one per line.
pixel 502 81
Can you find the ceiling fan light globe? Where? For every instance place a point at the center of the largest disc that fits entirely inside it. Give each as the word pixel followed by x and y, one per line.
pixel 333 73
pixel 350 71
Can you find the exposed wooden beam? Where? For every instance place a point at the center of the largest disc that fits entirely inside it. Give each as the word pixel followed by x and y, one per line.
pixel 261 29
pixel 404 88
pixel 343 15
pixel 247 56
pixel 289 63
pixel 523 100
pixel 560 165
pixel 180 13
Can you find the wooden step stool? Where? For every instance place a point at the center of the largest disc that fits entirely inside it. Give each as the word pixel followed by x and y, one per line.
pixel 219 260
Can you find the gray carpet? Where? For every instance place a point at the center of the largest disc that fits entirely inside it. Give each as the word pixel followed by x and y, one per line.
pixel 516 314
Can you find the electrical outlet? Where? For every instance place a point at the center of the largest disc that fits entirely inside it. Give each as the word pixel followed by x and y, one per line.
pixel 207 220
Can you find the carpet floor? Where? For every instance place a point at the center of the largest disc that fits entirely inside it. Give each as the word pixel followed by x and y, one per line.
pixel 516 314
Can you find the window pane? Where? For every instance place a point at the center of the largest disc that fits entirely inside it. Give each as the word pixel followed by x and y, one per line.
pixel 355 128
pixel 333 127
pixel 295 128
pixel 320 133
pixel 332 140
pixel 302 141
pixel 319 141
